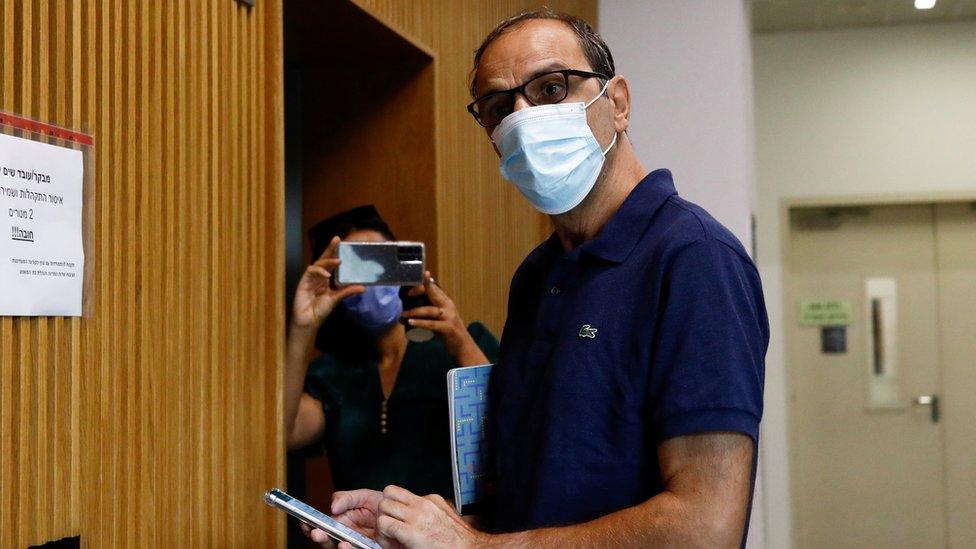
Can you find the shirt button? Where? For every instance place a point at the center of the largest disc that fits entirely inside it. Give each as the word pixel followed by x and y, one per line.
pixel 555 290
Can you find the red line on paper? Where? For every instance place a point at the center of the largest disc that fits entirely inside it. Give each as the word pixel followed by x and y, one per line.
pixel 34 126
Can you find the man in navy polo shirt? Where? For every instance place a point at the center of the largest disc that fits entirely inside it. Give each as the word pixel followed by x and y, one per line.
pixel 628 392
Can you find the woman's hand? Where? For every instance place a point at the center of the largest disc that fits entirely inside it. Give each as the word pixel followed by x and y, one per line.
pixel 442 318
pixel 315 298
pixel 314 301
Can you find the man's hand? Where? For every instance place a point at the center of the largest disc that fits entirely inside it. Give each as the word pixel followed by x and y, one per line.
pixel 704 504
pixel 442 317
pixel 428 522
pixel 357 509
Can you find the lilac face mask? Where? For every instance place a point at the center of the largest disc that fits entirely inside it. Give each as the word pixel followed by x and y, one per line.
pixel 376 309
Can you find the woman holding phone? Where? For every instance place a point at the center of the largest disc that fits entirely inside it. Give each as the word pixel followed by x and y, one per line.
pixel 376 400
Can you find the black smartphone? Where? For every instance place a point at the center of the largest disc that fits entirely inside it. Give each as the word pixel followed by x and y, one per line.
pixel 414 333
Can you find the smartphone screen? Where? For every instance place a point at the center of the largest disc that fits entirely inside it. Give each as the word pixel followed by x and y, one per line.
pixel 317 519
pixel 381 263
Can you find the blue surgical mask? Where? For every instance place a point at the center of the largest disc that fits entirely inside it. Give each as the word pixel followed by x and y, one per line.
pixel 375 310
pixel 549 153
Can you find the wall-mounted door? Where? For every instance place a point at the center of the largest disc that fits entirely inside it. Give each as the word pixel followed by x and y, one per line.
pixel 876 430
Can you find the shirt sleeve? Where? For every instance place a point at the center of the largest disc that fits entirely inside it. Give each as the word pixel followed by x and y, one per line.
pixel 711 343
pixel 485 340
pixel 320 382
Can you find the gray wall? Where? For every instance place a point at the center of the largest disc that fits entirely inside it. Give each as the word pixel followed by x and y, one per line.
pixel 689 65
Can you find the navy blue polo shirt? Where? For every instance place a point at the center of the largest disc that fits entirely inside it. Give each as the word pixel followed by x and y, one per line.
pixel 654 329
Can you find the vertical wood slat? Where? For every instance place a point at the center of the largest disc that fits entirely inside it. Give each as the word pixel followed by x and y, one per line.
pixel 109 420
pixel 44 368
pixel 271 222
pixel 121 172
pixel 232 502
pixel 129 389
pixel 61 406
pixel 188 456
pixel 44 326
pixel 7 387
pixel 213 384
pixel 147 322
pixel 28 432
pixel 234 218
pixel 8 374
pixel 167 161
pixel 261 434
pixel 105 171
pixel 102 78
pixel 75 120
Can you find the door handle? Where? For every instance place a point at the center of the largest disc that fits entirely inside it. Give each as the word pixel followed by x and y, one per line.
pixel 932 401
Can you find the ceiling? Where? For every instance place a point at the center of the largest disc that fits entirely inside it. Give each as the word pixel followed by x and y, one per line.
pixel 792 15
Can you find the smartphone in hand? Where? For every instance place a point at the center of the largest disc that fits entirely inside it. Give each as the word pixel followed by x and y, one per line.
pixel 381 263
pixel 317 519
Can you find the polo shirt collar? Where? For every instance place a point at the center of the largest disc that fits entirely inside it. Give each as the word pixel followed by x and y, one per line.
pixel 621 234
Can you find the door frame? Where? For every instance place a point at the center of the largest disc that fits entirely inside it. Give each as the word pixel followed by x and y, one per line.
pixel 782 460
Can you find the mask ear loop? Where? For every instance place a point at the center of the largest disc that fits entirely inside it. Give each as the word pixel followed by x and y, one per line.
pixel 602 91
pixel 612 143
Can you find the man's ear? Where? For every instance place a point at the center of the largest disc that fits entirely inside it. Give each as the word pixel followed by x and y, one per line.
pixel 619 92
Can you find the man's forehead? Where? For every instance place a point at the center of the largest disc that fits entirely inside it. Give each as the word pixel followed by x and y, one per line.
pixel 533 45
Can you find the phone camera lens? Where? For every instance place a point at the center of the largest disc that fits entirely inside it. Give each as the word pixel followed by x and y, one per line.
pixel 410 253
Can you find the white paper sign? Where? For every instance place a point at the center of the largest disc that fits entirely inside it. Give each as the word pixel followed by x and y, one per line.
pixel 42 259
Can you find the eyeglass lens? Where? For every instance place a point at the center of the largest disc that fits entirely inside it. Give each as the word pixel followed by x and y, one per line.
pixel 545 89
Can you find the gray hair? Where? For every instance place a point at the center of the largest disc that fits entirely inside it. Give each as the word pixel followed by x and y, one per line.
pixel 594 48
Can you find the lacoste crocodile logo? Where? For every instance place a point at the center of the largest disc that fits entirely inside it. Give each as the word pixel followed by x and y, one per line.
pixel 588 331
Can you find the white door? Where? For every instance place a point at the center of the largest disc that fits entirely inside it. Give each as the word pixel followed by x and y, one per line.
pixel 882 447
pixel 956 255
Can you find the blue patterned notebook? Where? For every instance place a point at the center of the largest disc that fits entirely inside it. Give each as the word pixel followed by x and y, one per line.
pixel 467 390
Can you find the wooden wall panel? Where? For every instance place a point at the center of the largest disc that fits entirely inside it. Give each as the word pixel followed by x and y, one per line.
pixel 484 227
pixel 367 119
pixel 154 421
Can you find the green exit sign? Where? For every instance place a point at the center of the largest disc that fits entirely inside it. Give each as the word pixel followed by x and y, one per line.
pixel 825 312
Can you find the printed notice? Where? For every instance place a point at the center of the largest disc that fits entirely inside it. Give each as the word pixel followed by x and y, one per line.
pixel 825 312
pixel 41 254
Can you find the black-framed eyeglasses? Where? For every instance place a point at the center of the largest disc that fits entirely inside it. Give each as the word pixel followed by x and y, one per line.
pixel 546 89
